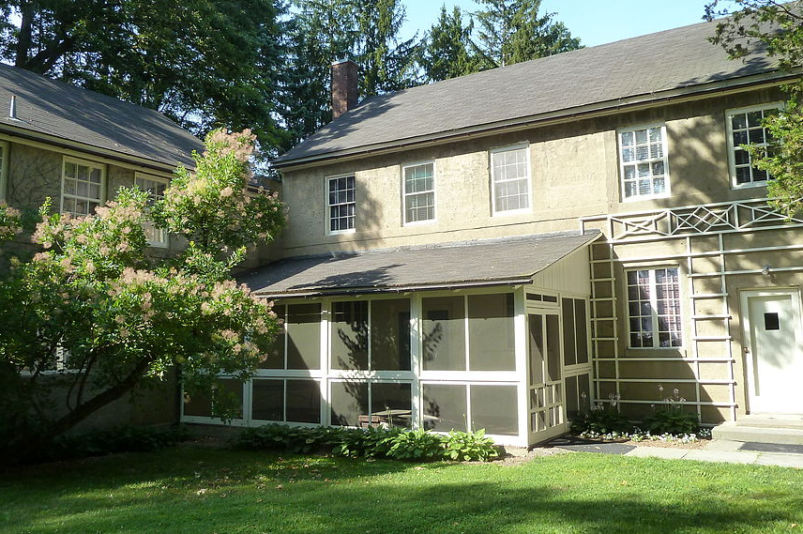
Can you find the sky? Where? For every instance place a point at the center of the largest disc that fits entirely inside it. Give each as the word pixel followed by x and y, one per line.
pixel 593 21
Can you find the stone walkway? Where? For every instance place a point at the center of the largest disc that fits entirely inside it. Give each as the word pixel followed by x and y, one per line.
pixel 735 452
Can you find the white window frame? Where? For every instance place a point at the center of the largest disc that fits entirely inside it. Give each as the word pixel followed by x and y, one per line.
pixel 406 195
pixel 656 343
pixel 161 238
pixel 86 163
pixel 328 215
pixel 729 114
pixel 664 159
pixel 4 162
pixel 521 146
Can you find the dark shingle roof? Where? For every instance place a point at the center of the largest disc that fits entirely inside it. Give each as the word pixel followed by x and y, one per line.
pixel 60 110
pixel 498 261
pixel 643 68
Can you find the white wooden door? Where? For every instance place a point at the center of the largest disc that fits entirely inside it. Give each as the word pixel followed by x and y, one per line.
pixel 772 349
pixel 545 377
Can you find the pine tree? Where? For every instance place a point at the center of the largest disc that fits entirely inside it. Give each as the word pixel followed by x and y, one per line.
pixel 512 31
pixel 448 49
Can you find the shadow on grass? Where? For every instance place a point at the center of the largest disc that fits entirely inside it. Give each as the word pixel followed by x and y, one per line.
pixel 235 492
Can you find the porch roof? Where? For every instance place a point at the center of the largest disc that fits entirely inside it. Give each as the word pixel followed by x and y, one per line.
pixel 496 262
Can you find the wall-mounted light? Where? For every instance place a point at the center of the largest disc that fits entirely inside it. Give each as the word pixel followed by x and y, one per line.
pixel 766 270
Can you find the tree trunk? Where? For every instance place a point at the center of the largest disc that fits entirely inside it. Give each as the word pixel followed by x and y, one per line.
pixel 27 446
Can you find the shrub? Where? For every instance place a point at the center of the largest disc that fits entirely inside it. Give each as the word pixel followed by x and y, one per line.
pixel 470 446
pixel 672 418
pixel 602 419
pixel 393 443
pixel 110 441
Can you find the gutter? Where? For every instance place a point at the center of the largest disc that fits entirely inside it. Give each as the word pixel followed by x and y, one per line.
pixel 402 289
pixel 588 111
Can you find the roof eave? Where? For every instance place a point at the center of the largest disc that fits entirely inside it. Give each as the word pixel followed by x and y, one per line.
pixel 12 132
pixel 596 109
pixel 451 286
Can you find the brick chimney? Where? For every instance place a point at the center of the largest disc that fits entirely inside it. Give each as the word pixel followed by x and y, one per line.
pixel 344 87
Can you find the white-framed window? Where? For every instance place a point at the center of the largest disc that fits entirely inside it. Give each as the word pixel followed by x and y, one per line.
pixel 342 204
pixel 3 169
pixel 643 162
pixel 419 192
pixel 745 127
pixel 510 179
pixel 155 186
pixel 653 300
pixel 83 186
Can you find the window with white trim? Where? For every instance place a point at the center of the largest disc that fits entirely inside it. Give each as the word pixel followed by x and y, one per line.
pixel 342 204
pixel 419 193
pixel 653 299
pixel 643 162
pixel 510 179
pixel 83 186
pixel 746 127
pixel 155 186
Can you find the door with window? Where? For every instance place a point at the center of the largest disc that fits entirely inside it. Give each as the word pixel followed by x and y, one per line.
pixel 545 384
pixel 772 351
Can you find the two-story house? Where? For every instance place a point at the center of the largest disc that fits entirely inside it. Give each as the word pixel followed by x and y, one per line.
pixel 78 148
pixel 500 250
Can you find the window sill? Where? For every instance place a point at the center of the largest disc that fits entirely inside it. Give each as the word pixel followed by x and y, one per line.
pixel 750 185
pixel 508 213
pixel 639 198
pixel 342 232
pixel 420 223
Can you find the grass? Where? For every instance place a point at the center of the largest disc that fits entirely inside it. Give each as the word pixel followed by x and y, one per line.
pixel 203 491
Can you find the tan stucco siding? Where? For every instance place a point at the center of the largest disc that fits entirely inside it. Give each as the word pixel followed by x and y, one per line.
pixel 574 172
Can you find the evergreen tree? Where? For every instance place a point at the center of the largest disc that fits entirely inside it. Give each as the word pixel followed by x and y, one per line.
pixel 448 49
pixel 512 31
pixel 386 63
pixel 324 31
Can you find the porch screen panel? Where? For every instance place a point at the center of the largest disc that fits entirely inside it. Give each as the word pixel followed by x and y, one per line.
pixel 581 330
pixel 390 335
pixel 350 335
pixel 274 357
pixel 349 401
pixel 304 336
pixel 494 408
pixel 393 403
pixel 445 407
pixel 267 402
pixel 444 334
pixel 553 348
pixel 303 401
pixel 491 337
pixel 225 392
pixel 536 350
pixel 569 348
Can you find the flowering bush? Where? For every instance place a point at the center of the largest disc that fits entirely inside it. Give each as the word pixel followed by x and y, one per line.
pixel 93 303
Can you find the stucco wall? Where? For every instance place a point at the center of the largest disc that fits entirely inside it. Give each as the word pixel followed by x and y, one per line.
pixel 574 171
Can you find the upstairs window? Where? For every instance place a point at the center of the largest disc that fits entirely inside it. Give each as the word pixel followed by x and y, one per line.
pixel 342 204
pixel 419 193
pixel 745 127
pixel 643 162
pixel 510 180
pixel 155 186
pixel 83 186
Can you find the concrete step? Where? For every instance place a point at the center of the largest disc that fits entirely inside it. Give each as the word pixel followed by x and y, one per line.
pixel 756 432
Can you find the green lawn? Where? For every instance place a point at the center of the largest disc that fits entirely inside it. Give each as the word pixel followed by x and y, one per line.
pixel 196 490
